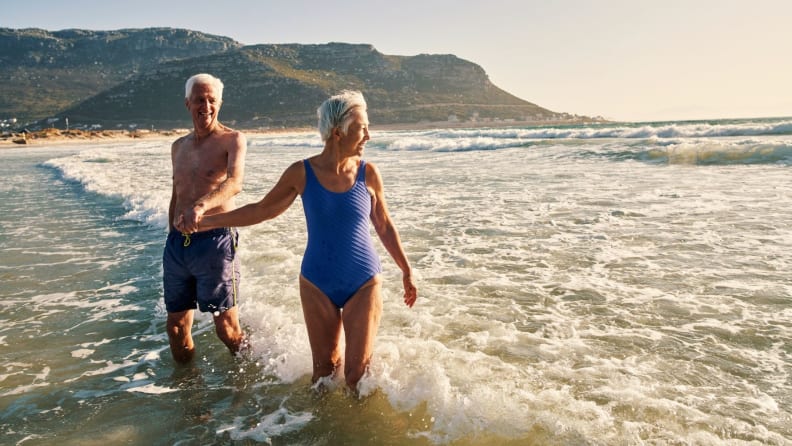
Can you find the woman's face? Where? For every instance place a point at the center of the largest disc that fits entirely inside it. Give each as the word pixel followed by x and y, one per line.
pixel 353 142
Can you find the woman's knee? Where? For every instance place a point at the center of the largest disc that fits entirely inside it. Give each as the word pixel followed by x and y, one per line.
pixel 353 373
pixel 325 367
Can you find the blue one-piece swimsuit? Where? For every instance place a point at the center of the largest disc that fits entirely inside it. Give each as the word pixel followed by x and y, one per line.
pixel 340 255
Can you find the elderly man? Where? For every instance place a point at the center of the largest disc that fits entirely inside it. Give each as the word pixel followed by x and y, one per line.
pixel 201 269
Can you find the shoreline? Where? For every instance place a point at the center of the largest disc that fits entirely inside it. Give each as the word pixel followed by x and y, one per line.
pixel 53 136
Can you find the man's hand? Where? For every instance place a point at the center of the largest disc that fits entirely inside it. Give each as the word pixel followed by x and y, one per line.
pixel 188 221
pixel 178 222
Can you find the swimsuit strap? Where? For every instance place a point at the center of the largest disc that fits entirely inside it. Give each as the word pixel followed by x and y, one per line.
pixel 310 175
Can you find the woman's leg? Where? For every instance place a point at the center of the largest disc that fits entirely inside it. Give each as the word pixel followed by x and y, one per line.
pixel 323 321
pixel 361 318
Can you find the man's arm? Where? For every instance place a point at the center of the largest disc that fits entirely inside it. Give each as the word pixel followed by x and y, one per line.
pixel 172 205
pixel 172 209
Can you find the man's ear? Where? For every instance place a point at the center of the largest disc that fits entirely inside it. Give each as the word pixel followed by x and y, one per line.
pixel 187 103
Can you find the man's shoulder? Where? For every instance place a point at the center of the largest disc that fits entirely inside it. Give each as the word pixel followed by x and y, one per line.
pixel 227 131
pixel 232 136
pixel 184 137
pixel 180 141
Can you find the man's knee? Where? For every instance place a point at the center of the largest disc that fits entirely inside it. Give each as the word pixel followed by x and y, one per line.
pixel 175 331
pixel 229 335
pixel 228 330
pixel 178 328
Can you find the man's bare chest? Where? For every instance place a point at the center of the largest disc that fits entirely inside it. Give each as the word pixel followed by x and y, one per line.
pixel 197 165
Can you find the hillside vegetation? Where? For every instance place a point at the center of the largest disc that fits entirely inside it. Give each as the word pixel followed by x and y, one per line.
pixel 136 77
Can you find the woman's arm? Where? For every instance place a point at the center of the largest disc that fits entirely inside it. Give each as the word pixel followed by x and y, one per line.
pixel 277 200
pixel 387 232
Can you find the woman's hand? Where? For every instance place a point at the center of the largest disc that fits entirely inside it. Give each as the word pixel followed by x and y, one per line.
pixel 410 291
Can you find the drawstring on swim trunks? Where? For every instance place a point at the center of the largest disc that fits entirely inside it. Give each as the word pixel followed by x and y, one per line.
pixel 211 233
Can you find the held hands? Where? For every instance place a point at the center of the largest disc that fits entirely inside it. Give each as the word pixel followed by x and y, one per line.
pixel 188 221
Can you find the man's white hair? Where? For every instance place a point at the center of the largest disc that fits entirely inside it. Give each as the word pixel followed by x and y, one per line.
pixel 203 79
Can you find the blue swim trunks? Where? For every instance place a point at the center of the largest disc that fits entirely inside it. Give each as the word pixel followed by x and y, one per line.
pixel 201 270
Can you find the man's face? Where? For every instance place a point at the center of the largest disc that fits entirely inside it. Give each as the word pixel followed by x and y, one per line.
pixel 204 105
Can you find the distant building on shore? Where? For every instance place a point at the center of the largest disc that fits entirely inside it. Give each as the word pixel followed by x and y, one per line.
pixel 8 123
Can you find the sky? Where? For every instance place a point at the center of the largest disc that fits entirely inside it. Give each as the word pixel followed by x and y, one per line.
pixel 625 60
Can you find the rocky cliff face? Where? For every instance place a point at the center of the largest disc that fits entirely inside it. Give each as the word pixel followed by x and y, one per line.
pixel 130 47
pixel 45 72
pixel 137 76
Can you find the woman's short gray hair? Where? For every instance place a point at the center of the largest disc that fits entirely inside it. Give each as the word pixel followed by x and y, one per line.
pixel 203 79
pixel 334 112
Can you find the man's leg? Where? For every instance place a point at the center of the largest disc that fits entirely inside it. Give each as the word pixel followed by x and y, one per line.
pixel 361 317
pixel 228 329
pixel 323 321
pixel 179 329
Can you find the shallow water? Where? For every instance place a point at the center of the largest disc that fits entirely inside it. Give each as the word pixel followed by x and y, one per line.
pixel 578 285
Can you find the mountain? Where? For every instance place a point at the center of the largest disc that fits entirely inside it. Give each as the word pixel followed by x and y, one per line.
pixel 114 78
pixel 46 72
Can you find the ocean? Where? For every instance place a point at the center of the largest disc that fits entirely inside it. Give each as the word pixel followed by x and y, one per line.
pixel 609 284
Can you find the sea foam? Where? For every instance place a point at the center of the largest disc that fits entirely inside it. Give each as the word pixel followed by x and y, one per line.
pixel 608 284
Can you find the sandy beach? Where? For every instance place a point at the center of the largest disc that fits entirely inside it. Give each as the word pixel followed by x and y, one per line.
pixel 55 137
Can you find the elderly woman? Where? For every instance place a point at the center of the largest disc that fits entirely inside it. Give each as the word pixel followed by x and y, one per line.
pixel 340 280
